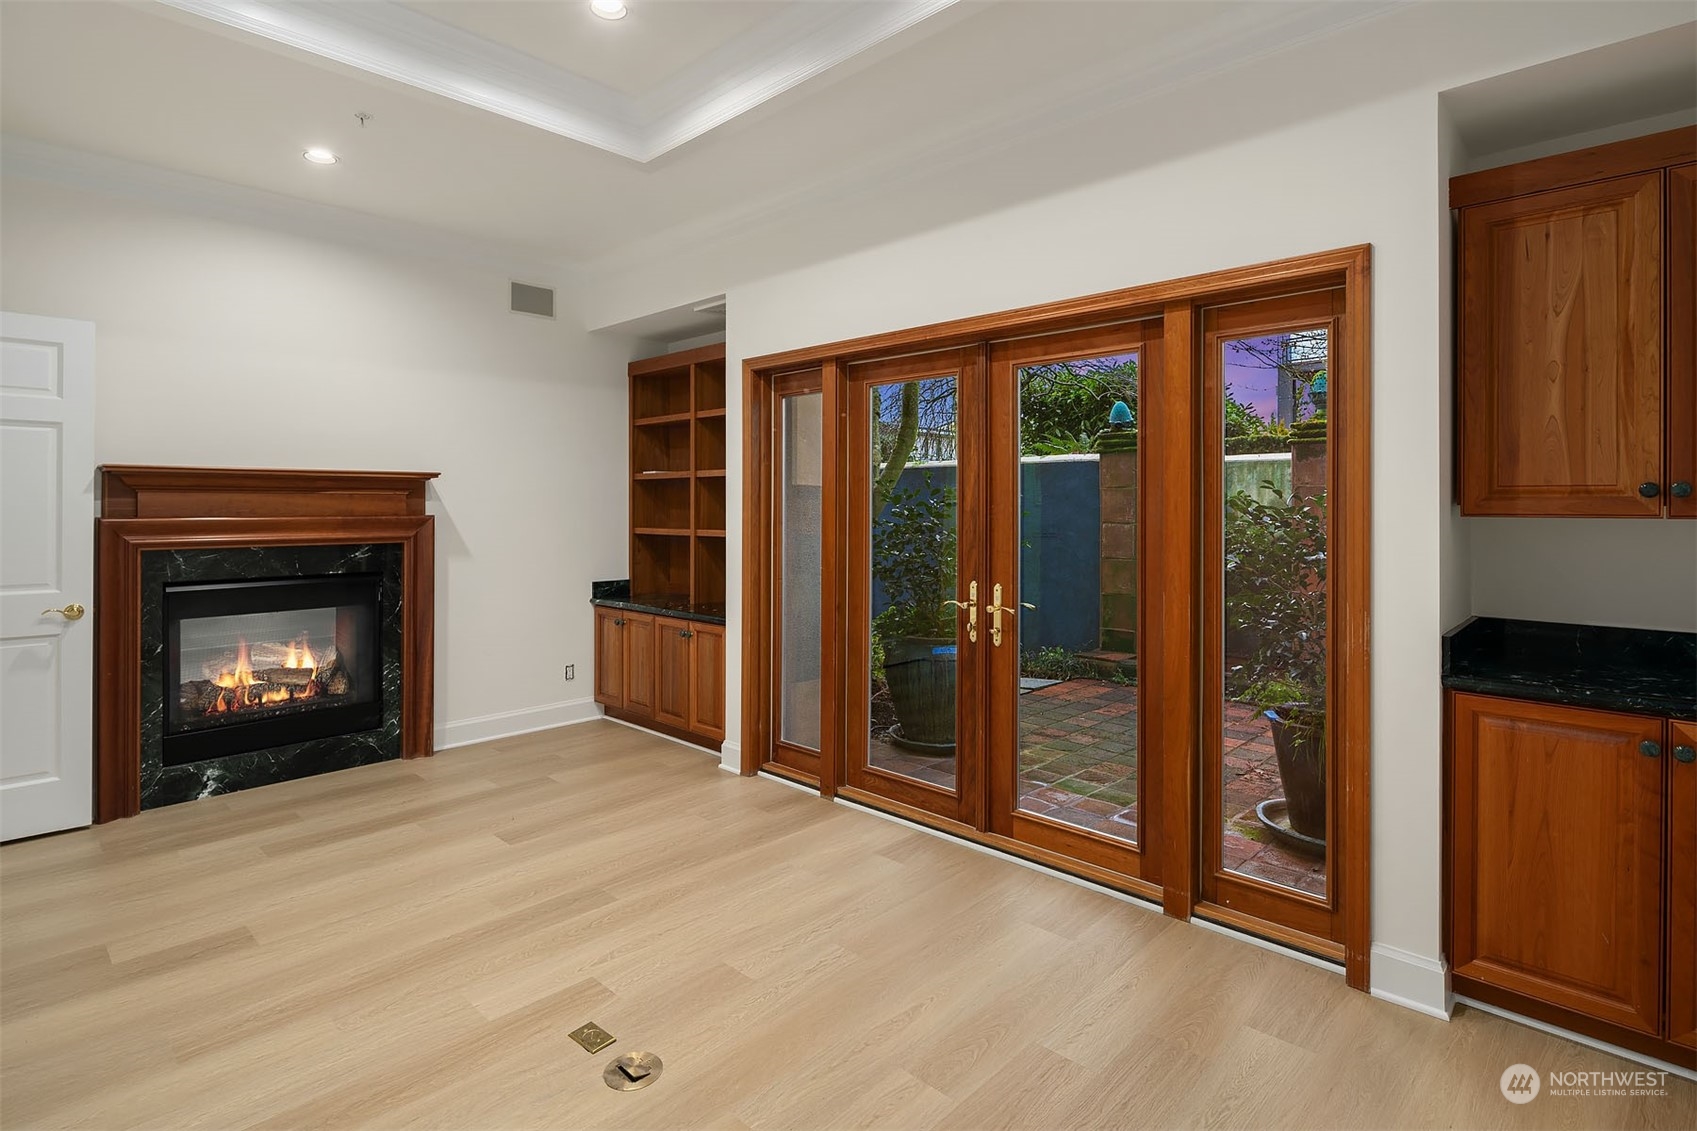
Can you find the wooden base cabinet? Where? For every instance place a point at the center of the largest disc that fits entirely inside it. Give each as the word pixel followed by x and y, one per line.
pixel 1682 885
pixel 1566 896
pixel 662 672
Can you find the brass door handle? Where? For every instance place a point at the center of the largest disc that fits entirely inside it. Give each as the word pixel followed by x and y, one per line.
pixel 72 611
pixel 995 608
pixel 971 607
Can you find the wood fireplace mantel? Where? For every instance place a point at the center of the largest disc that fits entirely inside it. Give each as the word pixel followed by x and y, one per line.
pixel 175 508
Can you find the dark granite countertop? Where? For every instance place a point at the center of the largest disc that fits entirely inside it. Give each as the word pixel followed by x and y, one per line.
pixel 617 595
pixel 1632 670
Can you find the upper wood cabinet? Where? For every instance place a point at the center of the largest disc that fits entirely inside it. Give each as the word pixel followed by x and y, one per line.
pixel 1576 391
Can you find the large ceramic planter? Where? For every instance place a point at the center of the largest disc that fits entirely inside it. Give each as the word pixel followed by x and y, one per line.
pixel 920 672
pixel 1299 741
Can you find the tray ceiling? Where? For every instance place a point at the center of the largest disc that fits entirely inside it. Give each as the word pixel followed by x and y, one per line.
pixel 640 87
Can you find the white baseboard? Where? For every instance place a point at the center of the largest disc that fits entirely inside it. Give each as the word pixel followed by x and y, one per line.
pixel 730 757
pixel 506 724
pixel 1410 980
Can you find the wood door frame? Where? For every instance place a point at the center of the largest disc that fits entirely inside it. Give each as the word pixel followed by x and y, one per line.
pixel 1172 583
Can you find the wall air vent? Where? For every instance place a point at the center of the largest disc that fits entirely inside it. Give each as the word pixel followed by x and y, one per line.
pixel 528 299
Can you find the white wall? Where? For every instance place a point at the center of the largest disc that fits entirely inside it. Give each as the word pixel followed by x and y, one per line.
pixel 1336 143
pixel 240 344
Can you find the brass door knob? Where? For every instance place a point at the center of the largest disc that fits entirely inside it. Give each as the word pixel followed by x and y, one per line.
pixel 72 611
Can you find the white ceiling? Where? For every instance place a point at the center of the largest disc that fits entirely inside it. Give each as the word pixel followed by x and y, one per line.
pixel 148 84
pixel 101 91
pixel 547 63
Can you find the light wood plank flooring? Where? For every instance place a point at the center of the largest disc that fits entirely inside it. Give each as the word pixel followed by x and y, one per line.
pixel 408 944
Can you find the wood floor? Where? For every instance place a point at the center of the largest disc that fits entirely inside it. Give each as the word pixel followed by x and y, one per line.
pixel 410 943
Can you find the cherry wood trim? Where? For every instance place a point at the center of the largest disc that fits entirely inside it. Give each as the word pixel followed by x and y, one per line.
pixel 1167 518
pixel 790 773
pixel 680 360
pixel 759 404
pixel 144 491
pixel 1350 616
pixel 120 544
pixel 833 583
pixel 1273 932
pixel 1326 268
pixel 1563 170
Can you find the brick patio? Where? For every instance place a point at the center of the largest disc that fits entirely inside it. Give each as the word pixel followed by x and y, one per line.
pixel 1078 764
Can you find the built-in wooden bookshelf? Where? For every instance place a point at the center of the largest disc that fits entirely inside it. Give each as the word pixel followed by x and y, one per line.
pixel 677 496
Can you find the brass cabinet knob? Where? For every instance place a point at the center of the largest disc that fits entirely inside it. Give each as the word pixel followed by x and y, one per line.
pixel 72 611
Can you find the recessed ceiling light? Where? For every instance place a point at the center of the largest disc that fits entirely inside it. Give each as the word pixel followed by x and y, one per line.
pixel 318 155
pixel 609 9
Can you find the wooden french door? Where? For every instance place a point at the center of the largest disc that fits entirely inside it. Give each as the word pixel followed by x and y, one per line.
pixel 993 591
pixel 916 509
pixel 1271 760
pixel 1063 608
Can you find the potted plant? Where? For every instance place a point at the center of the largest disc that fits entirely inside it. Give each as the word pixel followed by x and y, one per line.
pixel 913 563
pixel 1275 556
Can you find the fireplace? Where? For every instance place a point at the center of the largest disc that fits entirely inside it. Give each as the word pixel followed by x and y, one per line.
pixel 252 665
pixel 257 626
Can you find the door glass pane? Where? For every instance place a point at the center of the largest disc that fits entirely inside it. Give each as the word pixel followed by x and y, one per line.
pixel 800 569
pixel 913 572
pixel 1076 624
pixel 1273 772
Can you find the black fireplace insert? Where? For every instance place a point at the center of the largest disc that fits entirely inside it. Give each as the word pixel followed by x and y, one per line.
pixel 252 665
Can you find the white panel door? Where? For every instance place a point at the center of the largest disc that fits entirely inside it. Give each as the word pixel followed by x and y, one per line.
pixel 46 574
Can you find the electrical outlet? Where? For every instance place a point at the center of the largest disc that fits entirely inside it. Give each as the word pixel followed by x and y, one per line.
pixel 571 671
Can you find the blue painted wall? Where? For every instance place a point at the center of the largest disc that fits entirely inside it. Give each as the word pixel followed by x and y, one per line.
pixel 1060 549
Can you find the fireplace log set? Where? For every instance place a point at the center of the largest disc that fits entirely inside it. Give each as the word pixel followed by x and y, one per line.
pixel 266 687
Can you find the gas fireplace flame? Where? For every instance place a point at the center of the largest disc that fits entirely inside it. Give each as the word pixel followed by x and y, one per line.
pixel 239 687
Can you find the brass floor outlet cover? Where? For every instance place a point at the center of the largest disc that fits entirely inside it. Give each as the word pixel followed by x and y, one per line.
pixel 631 1071
pixel 592 1037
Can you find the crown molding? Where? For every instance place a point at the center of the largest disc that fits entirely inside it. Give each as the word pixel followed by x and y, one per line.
pixel 388 39
pixel 29 159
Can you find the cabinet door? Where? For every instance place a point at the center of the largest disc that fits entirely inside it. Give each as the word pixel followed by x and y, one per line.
pixel 1561 352
pixel 1682 885
pixel 1682 341
pixel 1557 855
pixel 639 663
pixel 707 681
pixel 609 657
pixel 671 671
